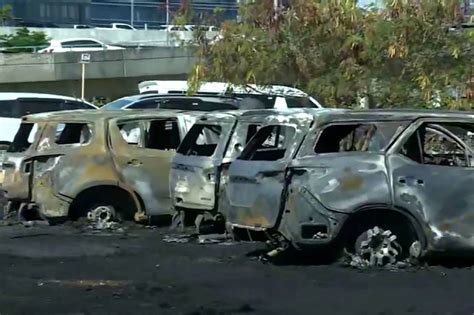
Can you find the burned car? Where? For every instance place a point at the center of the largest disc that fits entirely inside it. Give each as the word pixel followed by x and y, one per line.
pixel 80 162
pixel 382 184
pixel 205 154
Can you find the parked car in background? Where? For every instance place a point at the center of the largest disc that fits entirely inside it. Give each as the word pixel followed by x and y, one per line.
pixel 77 45
pixel 275 96
pixel 114 162
pixel 176 28
pixel 203 159
pixel 383 184
pixel 82 26
pixel 157 101
pixel 205 28
pixel 15 105
pixel 119 26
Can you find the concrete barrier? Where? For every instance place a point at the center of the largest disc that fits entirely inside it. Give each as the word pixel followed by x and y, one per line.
pixel 110 73
pixel 116 36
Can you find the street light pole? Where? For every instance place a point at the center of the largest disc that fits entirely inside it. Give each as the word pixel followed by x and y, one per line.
pixel 132 11
pixel 167 12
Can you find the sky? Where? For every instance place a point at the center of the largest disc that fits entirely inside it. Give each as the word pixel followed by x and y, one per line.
pixel 367 2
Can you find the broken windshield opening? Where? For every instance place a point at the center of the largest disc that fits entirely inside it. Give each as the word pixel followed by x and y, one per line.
pixel 270 143
pixel 24 137
pixel 201 140
pixel 374 137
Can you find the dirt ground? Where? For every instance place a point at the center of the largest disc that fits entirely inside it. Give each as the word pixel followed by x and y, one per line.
pixel 66 270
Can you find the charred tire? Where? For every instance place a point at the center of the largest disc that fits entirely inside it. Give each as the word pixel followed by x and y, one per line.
pixel 386 234
pixel 106 197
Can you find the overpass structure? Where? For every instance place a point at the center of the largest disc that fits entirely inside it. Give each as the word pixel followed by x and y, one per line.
pixel 117 36
pixel 110 74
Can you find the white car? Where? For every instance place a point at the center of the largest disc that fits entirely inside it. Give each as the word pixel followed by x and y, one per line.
pixel 15 105
pixel 274 96
pixel 176 28
pixel 118 26
pixel 78 45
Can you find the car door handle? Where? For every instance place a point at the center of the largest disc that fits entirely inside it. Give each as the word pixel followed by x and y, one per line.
pixel 134 162
pixel 404 180
pixel 298 171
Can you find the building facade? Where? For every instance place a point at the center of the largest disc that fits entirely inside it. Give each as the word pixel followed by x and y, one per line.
pixel 103 12
pixel 157 12
pixel 49 12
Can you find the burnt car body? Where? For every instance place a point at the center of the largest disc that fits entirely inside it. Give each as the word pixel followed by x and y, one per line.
pixel 205 154
pixel 78 161
pixel 358 174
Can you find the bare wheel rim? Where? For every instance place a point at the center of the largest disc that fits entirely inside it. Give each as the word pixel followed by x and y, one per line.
pixel 102 214
pixel 379 247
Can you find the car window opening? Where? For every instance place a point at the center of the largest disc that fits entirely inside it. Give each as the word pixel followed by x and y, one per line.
pixel 436 144
pixel 131 132
pixel 163 135
pixel 374 137
pixel 73 133
pixel 270 143
pixel 23 138
pixel 202 140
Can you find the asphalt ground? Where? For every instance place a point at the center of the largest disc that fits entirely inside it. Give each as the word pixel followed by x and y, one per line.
pixel 69 269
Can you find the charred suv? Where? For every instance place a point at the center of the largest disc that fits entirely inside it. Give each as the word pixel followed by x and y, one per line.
pixel 200 166
pixel 387 184
pixel 71 163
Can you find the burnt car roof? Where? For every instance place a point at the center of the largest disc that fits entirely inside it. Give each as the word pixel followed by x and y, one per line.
pixel 394 114
pixel 287 112
pixel 81 115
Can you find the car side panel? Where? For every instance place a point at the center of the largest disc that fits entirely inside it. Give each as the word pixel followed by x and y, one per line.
pixel 326 188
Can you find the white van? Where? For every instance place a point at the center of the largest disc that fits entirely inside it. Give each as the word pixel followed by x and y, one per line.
pixel 286 97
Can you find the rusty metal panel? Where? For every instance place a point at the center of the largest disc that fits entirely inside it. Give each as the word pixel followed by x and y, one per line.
pixel 255 186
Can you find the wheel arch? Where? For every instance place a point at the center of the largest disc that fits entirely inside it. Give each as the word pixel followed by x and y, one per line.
pixel 382 209
pixel 103 190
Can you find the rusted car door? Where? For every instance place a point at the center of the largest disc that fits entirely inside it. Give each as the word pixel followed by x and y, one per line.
pixel 142 151
pixel 257 177
pixel 432 171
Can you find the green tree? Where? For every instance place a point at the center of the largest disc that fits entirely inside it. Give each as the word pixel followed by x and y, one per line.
pixel 6 14
pixel 398 57
pixel 23 38
pixel 185 13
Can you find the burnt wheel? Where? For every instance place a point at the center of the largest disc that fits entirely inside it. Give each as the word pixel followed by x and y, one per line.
pixel 379 247
pixel 381 237
pixel 112 200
